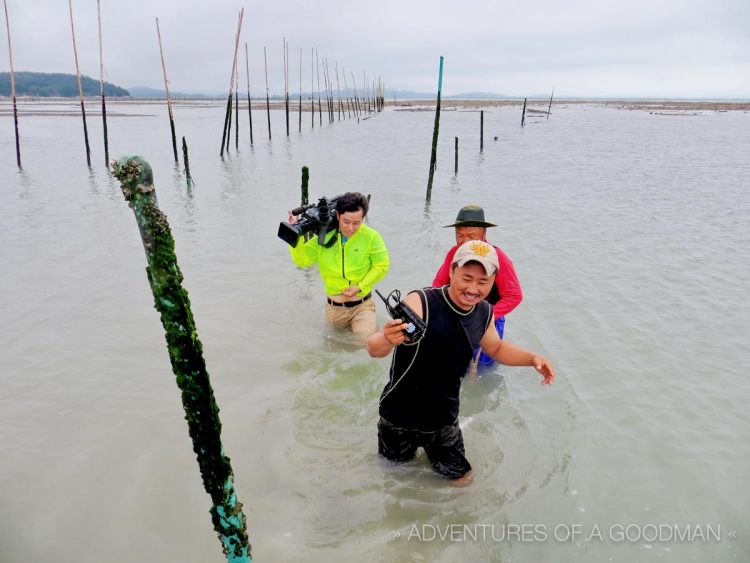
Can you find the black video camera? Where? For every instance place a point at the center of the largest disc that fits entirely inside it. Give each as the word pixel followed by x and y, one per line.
pixel 316 217
pixel 399 310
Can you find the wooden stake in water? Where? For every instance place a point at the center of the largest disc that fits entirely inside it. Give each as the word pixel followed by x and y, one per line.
pixel 286 84
pixel 455 171
pixel 186 355
pixel 312 86
pixel 101 82
pixel 317 70
pixel 166 92
pixel 187 162
pixel 346 91
pixel 237 108
pixel 433 156
pixel 232 80
pixel 356 97
pixel 80 88
pixel 249 103
pixel 305 196
pixel 338 90
pixel 523 113
pixel 13 86
pixel 549 108
pixel 481 131
pixel 300 90
pixel 268 103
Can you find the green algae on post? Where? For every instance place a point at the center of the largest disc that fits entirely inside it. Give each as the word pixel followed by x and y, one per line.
pixel 186 355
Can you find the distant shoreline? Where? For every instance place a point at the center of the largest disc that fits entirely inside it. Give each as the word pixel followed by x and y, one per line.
pixel 27 105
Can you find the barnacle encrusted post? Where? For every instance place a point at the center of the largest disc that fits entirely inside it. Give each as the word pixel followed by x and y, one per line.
pixel 186 355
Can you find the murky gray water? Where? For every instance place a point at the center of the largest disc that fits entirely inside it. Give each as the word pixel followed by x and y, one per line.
pixel 629 232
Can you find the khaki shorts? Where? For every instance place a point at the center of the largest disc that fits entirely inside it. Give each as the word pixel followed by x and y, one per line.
pixel 360 317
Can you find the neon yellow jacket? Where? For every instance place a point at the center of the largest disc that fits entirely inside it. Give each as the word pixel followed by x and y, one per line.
pixel 363 260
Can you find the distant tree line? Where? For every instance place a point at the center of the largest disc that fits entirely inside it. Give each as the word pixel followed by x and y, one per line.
pixel 42 84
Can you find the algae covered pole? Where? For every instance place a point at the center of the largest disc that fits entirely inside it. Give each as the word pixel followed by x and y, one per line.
pixel 433 157
pixel 80 88
pixel 186 356
pixel 101 82
pixel 166 92
pixel 12 86
pixel 523 113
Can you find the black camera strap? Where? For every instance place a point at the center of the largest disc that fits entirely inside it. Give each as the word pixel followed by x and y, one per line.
pixel 331 241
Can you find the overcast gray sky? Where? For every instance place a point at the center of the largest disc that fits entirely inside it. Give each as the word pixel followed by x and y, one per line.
pixel 638 48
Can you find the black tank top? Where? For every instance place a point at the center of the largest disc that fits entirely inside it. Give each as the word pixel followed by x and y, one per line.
pixel 425 377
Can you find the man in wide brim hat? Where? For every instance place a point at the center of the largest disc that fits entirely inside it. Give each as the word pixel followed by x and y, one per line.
pixel 506 293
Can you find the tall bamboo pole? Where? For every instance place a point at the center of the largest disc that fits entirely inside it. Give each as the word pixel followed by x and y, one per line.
pixel 338 89
pixel 249 103
pixel 317 70
pixel 268 103
pixel 230 109
pixel 549 108
pixel 312 86
pixel 300 90
pixel 185 159
pixel 166 91
pixel 356 97
pixel 101 82
pixel 455 167
pixel 481 131
pixel 286 84
pixel 327 82
pixel 186 356
pixel 80 87
pixel 346 91
pixel 232 78
pixel 433 156
pixel 366 86
pixel 13 86
pixel 237 108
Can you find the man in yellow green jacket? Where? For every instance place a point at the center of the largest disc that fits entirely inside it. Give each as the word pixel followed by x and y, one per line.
pixel 350 267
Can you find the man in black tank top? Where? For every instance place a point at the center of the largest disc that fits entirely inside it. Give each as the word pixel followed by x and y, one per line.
pixel 419 404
